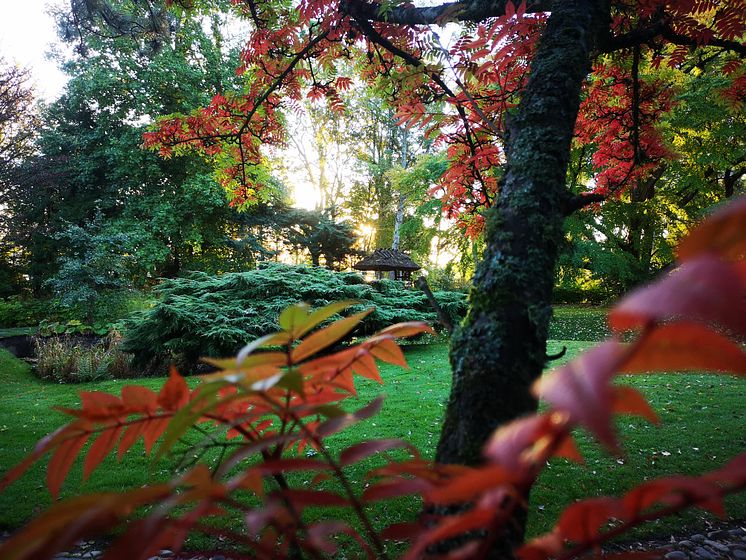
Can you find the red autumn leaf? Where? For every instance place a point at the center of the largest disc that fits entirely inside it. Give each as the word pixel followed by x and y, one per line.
pixel 627 400
pixel 100 449
pixel 676 490
pixel 360 451
pixel 365 366
pixel 723 233
pixel 581 522
pixel 451 526
pixel 152 430
pixel 97 405
pixel 582 390
pixel 175 393
pixel 704 289
pixel 62 459
pixel 685 346
pixel 541 548
pixel 410 328
pixel 469 486
pixel 401 531
pixel 508 444
pixel 140 399
pixel 131 435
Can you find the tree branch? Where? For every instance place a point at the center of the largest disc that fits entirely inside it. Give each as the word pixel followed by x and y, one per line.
pixel 467 10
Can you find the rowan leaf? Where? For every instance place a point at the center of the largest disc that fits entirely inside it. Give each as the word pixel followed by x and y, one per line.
pixel 175 392
pixel 469 486
pixel 294 318
pixel 103 445
pixel 388 351
pixel 705 289
pixel 62 459
pixel 685 346
pixel 582 521
pixel 722 233
pixel 582 390
pixel 327 336
pixel 320 315
pixel 627 400
pixel 139 399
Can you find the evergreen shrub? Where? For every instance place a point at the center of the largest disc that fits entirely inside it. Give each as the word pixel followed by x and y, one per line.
pixel 202 315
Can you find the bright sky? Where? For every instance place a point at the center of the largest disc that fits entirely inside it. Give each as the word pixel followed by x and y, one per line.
pixel 26 35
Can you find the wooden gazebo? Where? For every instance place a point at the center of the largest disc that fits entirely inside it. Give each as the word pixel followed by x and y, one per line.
pixel 389 260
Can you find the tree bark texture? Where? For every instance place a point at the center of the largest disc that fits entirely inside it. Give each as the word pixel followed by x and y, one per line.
pixel 500 348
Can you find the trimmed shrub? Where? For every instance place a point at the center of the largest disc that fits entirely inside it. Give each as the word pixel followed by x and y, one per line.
pixel 203 315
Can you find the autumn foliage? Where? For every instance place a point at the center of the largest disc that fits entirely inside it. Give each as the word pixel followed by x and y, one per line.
pixel 281 395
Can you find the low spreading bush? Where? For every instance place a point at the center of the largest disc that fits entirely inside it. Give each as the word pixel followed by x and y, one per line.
pixel 203 315
pixel 70 359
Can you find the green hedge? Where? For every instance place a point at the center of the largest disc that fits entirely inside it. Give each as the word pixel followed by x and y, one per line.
pixel 203 315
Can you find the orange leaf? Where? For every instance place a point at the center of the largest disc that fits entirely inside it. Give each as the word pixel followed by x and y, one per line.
pixel 510 443
pixel 582 521
pixel 685 346
pixel 131 435
pixel 100 449
pixel 627 400
pixel 175 392
pixel 541 548
pixel 582 389
pixel 152 430
pixel 61 461
pixel 467 487
pixel 327 336
pixel 722 233
pixel 704 289
pixel 365 366
pixel 676 490
pixel 388 351
pixel 409 328
pixel 139 399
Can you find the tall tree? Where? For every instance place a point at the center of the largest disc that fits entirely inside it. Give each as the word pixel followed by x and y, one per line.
pixel 513 83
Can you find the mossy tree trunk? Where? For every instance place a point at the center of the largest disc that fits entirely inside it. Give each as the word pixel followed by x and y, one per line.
pixel 500 349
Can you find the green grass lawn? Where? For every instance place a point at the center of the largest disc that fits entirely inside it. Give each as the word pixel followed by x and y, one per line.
pixel 703 425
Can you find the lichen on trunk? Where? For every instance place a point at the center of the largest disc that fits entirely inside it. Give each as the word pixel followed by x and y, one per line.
pixel 500 348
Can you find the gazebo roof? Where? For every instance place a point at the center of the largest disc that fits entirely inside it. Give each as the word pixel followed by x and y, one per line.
pixel 387 259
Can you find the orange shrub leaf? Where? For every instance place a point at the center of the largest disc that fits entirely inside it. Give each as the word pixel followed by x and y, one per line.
pixel 685 346
pixel 723 233
pixel 175 393
pixel 103 445
pixel 470 485
pixel 582 390
pixel 388 351
pixel 582 521
pixel 327 336
pixel 705 289
pixel 62 459
pixel 628 400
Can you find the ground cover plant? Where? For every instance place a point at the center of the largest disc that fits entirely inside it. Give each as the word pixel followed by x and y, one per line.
pixel 205 315
pixel 279 403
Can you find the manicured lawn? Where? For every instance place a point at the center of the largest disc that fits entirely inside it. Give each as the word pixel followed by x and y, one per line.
pixel 703 420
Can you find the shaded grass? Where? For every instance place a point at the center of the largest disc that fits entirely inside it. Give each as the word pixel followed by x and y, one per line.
pixel 703 420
